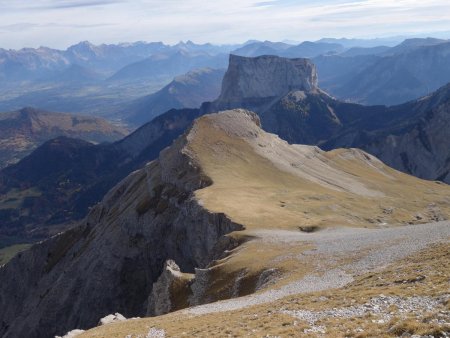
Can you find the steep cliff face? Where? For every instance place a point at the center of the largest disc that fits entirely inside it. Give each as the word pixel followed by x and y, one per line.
pixel 110 261
pixel 422 151
pixel 171 291
pixel 264 77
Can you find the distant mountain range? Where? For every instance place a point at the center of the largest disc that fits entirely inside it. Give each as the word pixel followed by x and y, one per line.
pixel 169 65
pixel 103 79
pixel 44 64
pixel 38 64
pixel 306 49
pixel 365 43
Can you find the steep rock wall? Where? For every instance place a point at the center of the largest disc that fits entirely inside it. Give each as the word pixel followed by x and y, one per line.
pixel 265 77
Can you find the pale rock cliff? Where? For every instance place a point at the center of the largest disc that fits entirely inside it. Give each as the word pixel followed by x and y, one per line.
pixel 170 291
pixel 265 76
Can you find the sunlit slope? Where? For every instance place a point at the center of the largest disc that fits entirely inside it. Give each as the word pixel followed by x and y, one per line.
pixel 263 182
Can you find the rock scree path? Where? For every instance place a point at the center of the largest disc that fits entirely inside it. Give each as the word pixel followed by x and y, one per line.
pixel 339 254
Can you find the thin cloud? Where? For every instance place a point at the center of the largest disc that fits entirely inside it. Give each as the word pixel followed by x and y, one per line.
pixel 265 4
pixel 18 27
pixel 78 4
pixel 22 5
pixel 219 21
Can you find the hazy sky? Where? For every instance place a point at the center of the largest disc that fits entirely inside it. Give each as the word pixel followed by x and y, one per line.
pixel 52 23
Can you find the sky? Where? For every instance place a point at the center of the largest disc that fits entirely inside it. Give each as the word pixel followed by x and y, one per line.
pixel 59 24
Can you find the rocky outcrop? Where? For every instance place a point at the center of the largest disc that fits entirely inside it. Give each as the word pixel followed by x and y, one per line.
pixel 112 318
pixel 263 78
pixel 71 334
pixel 410 137
pixel 110 261
pixel 171 290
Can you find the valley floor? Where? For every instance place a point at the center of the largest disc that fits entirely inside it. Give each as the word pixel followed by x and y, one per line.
pixel 356 283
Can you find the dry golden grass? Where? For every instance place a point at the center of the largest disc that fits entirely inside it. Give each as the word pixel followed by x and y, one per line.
pixel 253 191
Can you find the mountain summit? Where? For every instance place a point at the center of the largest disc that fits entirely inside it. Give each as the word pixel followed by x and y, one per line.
pixel 265 76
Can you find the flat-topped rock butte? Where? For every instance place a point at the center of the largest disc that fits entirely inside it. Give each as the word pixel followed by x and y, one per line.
pixel 266 76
